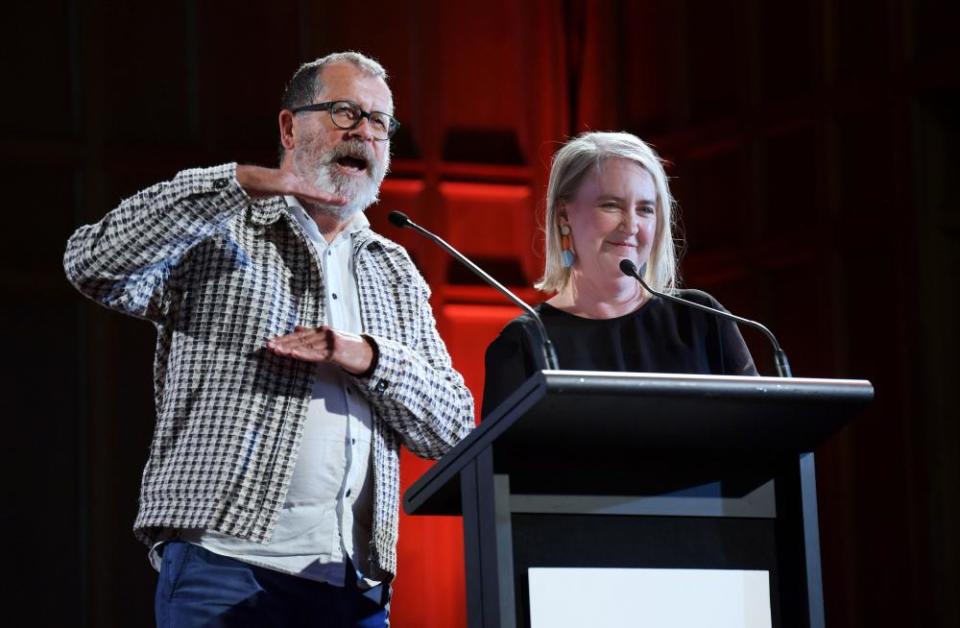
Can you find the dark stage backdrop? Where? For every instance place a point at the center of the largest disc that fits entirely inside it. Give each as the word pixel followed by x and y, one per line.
pixel 814 150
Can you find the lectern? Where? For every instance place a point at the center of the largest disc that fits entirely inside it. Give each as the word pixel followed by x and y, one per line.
pixel 640 470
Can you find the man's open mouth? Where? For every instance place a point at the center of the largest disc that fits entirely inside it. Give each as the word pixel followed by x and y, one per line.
pixel 356 164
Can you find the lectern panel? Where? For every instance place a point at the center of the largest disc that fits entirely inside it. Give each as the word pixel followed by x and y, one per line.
pixel 650 542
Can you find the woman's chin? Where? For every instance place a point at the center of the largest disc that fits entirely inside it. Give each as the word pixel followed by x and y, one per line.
pixel 618 256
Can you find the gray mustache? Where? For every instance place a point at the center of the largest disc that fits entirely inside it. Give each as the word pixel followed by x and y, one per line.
pixel 358 150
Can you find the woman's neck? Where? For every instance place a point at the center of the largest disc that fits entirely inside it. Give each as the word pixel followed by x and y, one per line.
pixel 613 299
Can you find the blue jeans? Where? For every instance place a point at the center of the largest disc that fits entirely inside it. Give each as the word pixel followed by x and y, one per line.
pixel 199 588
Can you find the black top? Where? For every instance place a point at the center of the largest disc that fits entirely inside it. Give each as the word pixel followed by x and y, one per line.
pixel 660 337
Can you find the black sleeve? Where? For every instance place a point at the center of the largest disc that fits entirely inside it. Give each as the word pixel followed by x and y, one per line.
pixel 736 356
pixel 729 352
pixel 508 364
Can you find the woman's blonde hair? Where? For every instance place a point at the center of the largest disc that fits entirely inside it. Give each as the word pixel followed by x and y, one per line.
pixel 572 163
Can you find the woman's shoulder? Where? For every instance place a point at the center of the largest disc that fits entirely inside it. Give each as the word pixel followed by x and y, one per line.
pixel 523 331
pixel 664 310
pixel 544 310
pixel 514 330
pixel 699 297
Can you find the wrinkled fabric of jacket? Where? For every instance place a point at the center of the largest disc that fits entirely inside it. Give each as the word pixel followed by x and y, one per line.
pixel 220 273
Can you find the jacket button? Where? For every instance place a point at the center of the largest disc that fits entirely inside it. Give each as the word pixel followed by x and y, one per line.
pixel 219 184
pixel 381 386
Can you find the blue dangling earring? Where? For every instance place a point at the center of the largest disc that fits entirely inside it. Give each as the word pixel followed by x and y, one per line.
pixel 566 250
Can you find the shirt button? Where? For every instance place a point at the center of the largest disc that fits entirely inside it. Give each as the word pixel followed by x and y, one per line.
pixel 353 441
pixel 334 295
pixel 348 492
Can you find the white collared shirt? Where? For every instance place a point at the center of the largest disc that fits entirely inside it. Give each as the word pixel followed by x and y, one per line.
pixel 327 515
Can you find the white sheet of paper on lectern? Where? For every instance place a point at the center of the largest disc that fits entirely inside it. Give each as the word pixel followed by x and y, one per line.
pixel 651 598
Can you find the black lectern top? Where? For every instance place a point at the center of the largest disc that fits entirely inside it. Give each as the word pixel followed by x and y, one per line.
pixel 601 417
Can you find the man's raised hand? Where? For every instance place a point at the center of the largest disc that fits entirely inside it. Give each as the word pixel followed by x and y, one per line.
pixel 260 181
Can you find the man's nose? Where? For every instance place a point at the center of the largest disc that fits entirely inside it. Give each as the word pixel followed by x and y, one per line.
pixel 363 130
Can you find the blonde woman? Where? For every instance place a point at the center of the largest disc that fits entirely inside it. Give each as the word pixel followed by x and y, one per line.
pixel 608 200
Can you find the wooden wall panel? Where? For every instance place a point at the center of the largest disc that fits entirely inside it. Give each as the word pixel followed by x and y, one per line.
pixel 42 203
pixel 868 182
pixel 861 38
pixel 791 61
pixel 880 457
pixel 42 491
pixel 717 60
pixel 793 185
pixel 714 197
pixel 481 68
pixel 245 56
pixel 149 93
pixel 38 46
pixel 430 589
pixel 403 195
pixel 594 57
pixel 933 28
pixel 119 427
pixel 468 330
pixel 491 224
pixel 937 338
pixel 798 303
pixel 653 79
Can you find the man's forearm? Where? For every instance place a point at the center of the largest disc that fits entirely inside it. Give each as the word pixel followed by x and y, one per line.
pixel 426 402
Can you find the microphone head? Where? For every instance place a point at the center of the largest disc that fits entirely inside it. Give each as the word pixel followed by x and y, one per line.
pixel 398 219
pixel 628 268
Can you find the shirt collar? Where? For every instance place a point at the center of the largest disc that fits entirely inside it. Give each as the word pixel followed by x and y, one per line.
pixel 296 209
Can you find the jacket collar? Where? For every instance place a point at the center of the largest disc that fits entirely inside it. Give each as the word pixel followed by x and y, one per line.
pixel 267 211
pixel 366 237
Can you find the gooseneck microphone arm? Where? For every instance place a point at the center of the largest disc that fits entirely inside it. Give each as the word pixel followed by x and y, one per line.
pixel 779 357
pixel 399 219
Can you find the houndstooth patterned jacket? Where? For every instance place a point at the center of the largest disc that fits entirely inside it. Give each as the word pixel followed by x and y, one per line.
pixel 219 274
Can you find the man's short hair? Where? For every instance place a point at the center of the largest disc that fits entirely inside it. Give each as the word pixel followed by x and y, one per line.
pixel 306 83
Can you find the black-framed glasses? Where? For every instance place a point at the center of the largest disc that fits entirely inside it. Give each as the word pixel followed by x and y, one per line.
pixel 348 115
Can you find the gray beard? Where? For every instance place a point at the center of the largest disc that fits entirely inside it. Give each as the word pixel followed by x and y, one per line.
pixel 361 192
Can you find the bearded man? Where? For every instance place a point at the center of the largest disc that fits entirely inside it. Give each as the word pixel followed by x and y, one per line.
pixel 296 351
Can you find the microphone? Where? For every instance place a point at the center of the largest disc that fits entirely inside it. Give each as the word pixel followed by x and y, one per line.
pixel 629 269
pixel 401 220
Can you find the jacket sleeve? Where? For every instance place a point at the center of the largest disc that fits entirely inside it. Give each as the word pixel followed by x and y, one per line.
pixel 124 261
pixel 417 390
